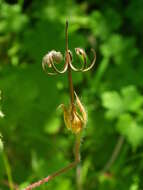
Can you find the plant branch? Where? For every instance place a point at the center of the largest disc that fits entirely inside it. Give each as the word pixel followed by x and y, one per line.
pixel 63 170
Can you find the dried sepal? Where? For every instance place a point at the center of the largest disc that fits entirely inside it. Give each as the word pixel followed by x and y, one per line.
pixel 67 116
pixel 82 109
pixel 74 120
pixel 76 124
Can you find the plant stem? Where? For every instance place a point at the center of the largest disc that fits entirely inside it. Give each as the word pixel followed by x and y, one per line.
pixel 115 154
pixel 8 171
pixel 71 87
pixel 68 59
pixel 77 147
pixel 100 72
pixel 77 157
pixel 61 171
pixel 78 177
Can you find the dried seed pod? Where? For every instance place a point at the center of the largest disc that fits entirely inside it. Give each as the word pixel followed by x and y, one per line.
pixel 75 121
pixel 76 124
pixel 81 52
pixel 82 109
pixel 56 56
pixel 67 116
pixel 50 58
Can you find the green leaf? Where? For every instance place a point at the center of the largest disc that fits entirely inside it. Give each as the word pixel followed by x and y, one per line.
pixel 53 125
pixel 117 47
pixel 128 100
pixel 129 128
pixel 132 98
pixel 113 102
pixel 99 25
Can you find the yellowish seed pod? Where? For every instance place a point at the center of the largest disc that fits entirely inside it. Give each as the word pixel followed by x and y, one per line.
pixel 75 121
pixel 77 124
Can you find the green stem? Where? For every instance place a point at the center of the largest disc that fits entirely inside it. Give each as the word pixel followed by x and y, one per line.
pixel 100 72
pixel 8 171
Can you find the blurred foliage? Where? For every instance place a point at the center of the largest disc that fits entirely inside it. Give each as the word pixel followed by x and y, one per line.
pixel 36 142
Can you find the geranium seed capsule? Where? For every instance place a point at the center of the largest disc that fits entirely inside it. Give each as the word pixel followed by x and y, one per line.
pixel 80 51
pixel 51 57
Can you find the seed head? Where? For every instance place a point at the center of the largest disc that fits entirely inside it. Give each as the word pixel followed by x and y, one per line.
pixel 74 120
pixel 50 58
pixel 80 51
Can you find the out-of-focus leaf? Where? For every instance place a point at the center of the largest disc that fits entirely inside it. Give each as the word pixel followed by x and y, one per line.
pixel 84 170
pixel 113 102
pixel 116 47
pixel 53 125
pixel 128 100
pixel 133 100
pixel 13 20
pixel 99 25
pixel 129 128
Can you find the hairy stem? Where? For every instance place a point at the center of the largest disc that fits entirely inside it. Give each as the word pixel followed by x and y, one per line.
pixel 61 171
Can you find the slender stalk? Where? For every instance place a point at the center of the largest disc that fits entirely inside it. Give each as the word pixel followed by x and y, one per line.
pixel 47 179
pixel 8 171
pixel 78 177
pixel 68 59
pixel 77 157
pixel 71 88
pixel 61 171
pixel 115 154
pixel 77 147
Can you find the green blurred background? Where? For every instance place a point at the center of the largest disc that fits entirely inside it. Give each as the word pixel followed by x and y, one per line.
pixel 33 136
